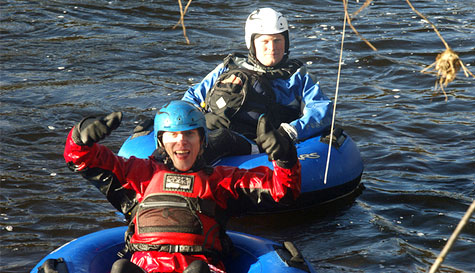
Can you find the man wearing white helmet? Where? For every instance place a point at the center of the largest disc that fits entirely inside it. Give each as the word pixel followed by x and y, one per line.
pixel 242 88
pixel 269 30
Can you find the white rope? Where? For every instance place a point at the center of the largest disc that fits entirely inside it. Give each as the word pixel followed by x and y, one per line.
pixel 334 104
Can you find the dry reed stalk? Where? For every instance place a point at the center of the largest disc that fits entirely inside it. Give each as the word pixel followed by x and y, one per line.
pixel 182 19
pixel 366 4
pixel 184 12
pixel 463 222
pixel 353 28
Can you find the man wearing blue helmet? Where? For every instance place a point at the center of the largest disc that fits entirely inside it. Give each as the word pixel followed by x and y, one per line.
pixel 242 88
pixel 173 122
pixel 184 204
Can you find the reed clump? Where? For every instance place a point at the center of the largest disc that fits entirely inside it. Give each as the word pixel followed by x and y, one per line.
pixel 446 64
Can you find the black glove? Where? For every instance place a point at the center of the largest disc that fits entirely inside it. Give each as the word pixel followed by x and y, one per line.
pixel 214 121
pixel 276 143
pixel 91 129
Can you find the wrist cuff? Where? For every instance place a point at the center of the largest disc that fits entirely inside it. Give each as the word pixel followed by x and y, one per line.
pixel 290 130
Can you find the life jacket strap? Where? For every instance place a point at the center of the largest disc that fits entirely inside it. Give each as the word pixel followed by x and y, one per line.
pixel 180 248
pixel 186 249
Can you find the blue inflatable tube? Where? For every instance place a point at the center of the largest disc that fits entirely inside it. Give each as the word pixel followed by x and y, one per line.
pixel 343 178
pixel 96 252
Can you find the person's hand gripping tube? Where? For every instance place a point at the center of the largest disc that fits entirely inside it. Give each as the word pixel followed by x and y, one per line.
pixel 276 143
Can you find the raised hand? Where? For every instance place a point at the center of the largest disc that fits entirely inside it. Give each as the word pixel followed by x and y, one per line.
pixel 90 130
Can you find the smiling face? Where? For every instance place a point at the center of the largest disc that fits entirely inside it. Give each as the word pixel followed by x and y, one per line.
pixel 183 147
pixel 270 48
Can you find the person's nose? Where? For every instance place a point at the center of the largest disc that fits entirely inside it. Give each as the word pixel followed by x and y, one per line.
pixel 180 137
pixel 272 45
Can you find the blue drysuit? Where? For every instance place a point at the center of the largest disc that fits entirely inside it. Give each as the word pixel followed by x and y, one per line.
pixel 300 92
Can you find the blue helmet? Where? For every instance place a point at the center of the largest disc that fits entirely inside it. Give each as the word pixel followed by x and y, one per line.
pixel 178 116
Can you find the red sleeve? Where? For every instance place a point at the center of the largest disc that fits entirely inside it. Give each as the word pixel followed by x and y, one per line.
pixel 132 173
pixel 256 182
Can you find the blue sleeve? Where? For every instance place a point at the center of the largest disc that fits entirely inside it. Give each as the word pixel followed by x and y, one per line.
pixel 316 107
pixel 197 93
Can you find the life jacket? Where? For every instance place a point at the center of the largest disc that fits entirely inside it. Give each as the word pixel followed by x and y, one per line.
pixel 177 214
pixel 243 104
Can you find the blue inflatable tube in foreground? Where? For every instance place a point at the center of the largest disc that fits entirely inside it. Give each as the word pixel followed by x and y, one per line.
pixel 343 178
pixel 96 252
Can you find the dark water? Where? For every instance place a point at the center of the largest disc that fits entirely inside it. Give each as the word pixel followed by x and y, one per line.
pixel 62 60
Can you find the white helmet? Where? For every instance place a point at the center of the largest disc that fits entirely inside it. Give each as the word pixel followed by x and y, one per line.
pixel 264 21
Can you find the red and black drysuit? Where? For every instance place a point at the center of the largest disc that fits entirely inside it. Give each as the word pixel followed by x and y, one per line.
pixel 177 218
